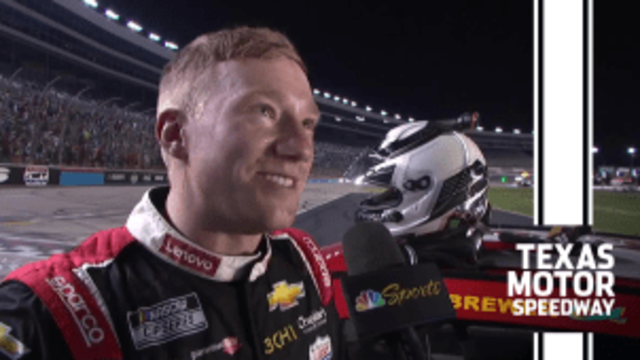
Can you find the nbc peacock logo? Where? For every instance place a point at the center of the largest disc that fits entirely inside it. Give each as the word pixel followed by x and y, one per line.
pixel 369 300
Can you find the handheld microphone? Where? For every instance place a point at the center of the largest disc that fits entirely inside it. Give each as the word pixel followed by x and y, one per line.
pixel 385 296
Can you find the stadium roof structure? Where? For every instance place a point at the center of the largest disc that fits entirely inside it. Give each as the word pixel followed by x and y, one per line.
pixel 71 30
pixel 90 36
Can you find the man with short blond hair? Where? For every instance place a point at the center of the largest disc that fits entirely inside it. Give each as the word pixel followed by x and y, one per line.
pixel 206 268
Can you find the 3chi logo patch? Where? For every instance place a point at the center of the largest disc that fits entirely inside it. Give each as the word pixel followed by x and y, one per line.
pixel 285 296
pixel 9 345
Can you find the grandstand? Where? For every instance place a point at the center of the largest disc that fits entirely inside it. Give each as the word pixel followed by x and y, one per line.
pixel 78 87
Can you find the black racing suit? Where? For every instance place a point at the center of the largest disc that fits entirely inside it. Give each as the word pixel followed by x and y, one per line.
pixel 143 291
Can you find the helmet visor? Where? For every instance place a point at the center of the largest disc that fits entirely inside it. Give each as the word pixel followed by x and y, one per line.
pixel 362 165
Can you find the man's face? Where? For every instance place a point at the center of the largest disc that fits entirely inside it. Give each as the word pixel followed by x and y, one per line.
pixel 251 151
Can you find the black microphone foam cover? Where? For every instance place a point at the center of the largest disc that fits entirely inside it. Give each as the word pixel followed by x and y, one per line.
pixel 369 246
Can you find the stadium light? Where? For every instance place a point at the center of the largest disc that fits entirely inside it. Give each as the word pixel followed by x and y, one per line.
pixel 631 151
pixel 410 119
pixel 336 98
pixel 154 37
pixel 383 113
pixel 327 95
pixel 479 128
pixel 338 119
pixel 354 104
pixel 516 131
pixel 112 15
pixel 134 26
pixel 345 101
pixel 316 92
pixel 498 129
pixel 398 116
pixel 360 118
pixel 170 45
pixel 368 108
pixel 91 3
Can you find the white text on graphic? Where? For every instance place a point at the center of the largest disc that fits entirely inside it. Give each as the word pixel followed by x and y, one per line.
pixel 563 281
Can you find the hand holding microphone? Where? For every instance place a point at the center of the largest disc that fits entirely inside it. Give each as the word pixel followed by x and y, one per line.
pixel 387 297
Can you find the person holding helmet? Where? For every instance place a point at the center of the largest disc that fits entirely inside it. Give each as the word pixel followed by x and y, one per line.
pixel 434 200
pixel 435 183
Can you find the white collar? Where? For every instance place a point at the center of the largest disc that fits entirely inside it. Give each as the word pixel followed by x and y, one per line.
pixel 150 228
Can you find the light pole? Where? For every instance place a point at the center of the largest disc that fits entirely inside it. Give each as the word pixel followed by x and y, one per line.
pixel 631 151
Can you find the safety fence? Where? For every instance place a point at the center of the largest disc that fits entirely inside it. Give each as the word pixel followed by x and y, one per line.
pixel 40 175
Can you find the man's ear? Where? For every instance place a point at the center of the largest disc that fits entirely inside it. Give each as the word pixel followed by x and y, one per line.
pixel 171 135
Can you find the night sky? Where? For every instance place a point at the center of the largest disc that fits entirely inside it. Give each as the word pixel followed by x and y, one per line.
pixel 616 83
pixel 431 61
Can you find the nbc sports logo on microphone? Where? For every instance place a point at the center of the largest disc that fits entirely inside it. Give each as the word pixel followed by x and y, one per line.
pixel 369 300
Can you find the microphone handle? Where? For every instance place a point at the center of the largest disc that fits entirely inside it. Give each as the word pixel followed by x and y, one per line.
pixel 405 345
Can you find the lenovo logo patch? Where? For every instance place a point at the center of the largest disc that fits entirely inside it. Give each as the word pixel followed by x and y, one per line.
pixel 189 256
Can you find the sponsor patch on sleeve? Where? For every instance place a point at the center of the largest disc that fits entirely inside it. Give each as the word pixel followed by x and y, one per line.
pixel 166 321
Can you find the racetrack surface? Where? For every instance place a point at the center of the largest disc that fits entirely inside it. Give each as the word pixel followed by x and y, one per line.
pixel 36 223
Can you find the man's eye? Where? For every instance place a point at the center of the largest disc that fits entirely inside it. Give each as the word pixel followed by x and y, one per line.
pixel 309 124
pixel 267 111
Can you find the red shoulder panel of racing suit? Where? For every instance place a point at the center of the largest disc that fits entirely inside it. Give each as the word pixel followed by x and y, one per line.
pixel 85 327
pixel 337 267
pixel 314 257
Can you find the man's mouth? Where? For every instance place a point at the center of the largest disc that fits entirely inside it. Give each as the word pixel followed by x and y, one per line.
pixel 280 180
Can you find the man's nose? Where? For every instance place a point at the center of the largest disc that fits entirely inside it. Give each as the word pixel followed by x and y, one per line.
pixel 295 142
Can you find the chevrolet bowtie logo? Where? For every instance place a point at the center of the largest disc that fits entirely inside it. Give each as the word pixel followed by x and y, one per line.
pixel 9 345
pixel 284 295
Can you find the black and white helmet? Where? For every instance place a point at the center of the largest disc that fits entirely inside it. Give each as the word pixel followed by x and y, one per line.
pixel 435 179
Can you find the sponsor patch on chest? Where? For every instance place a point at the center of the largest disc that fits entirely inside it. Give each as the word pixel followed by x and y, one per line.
pixel 321 349
pixel 9 345
pixel 166 321
pixel 313 321
pixel 285 296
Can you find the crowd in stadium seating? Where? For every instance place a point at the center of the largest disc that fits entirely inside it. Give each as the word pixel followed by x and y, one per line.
pixel 53 128
pixel 332 160
pixel 49 127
